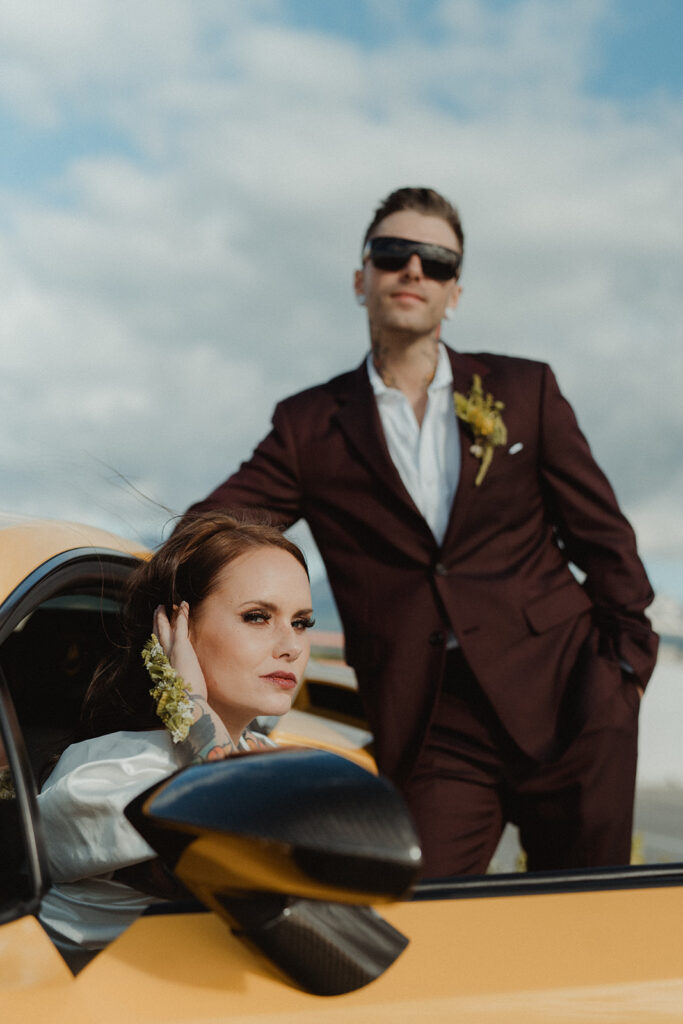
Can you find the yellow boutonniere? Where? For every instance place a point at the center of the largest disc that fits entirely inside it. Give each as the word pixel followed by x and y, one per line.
pixel 482 415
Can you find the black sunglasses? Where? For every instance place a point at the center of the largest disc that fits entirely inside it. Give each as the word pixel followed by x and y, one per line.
pixel 386 253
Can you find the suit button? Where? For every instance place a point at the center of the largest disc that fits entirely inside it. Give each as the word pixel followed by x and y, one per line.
pixel 436 638
pixel 440 569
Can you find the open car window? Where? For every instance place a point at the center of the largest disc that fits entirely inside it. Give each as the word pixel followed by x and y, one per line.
pixel 54 631
pixel 55 628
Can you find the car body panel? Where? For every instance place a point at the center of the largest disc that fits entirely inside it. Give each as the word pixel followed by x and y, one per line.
pixel 298 727
pixel 591 956
pixel 28 962
pixel 28 543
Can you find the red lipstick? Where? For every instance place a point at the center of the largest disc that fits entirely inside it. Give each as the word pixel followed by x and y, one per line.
pixel 285 680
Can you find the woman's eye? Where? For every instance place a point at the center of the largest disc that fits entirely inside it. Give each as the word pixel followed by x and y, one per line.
pixel 302 624
pixel 255 616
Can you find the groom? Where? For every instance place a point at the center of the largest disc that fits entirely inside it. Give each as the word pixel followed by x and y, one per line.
pixel 498 687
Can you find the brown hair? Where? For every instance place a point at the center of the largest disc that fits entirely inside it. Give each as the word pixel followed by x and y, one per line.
pixel 185 568
pixel 423 200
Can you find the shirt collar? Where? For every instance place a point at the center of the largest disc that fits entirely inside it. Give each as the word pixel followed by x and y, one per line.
pixel 442 378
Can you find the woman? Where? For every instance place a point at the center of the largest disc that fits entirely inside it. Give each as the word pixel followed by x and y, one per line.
pixel 230 607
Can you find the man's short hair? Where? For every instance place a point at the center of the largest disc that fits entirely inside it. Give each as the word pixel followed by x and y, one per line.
pixel 423 200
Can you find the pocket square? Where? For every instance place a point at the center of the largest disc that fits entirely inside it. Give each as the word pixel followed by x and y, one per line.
pixel 514 448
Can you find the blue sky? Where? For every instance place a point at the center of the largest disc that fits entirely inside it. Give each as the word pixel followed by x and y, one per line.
pixel 635 57
pixel 637 45
pixel 183 186
pixel 638 50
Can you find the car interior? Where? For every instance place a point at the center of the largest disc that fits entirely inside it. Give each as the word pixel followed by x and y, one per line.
pixel 13 876
pixel 49 660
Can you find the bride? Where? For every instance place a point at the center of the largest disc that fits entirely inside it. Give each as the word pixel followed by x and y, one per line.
pixel 229 606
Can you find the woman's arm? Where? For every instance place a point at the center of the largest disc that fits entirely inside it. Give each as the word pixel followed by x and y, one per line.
pixel 208 739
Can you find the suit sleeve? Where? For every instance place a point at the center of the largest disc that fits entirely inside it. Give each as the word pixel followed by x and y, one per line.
pixel 595 535
pixel 267 482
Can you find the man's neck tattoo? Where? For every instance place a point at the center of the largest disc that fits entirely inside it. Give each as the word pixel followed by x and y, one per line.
pixel 433 362
pixel 381 355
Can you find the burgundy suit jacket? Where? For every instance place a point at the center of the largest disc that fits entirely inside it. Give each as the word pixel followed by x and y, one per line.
pixel 537 640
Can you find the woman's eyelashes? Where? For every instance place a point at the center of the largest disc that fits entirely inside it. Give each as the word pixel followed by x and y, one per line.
pixel 259 615
pixel 256 615
pixel 306 622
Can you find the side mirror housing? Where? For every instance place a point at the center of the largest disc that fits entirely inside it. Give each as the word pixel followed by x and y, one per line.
pixel 269 839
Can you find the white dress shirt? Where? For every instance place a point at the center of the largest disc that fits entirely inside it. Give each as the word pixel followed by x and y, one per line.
pixel 428 457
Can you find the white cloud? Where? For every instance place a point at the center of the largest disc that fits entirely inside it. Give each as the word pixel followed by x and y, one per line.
pixel 172 280
pixel 658 521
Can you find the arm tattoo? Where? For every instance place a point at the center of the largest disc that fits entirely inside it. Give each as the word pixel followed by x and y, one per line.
pixel 208 739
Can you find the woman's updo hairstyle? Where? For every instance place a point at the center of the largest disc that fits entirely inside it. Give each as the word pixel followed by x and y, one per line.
pixel 186 567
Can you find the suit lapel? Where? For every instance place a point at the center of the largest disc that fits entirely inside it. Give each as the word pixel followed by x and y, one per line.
pixel 464 366
pixel 359 420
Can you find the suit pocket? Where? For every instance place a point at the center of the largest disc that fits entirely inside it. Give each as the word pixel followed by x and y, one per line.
pixel 600 692
pixel 565 602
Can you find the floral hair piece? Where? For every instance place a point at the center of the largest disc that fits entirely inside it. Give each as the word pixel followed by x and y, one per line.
pixel 7 791
pixel 174 706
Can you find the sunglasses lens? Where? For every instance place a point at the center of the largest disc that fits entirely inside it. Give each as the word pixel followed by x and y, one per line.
pixel 392 254
pixel 438 270
pixel 386 262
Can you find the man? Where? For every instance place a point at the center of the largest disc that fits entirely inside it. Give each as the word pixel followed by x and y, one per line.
pixel 498 688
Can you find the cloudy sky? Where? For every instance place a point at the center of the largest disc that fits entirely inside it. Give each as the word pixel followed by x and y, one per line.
pixel 183 187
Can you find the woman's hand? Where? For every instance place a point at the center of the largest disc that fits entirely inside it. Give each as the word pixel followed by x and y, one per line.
pixel 208 738
pixel 174 637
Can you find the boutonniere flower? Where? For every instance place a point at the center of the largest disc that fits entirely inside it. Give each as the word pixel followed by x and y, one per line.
pixel 483 417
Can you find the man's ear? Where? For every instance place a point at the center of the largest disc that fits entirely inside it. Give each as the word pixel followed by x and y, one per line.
pixel 359 287
pixel 455 296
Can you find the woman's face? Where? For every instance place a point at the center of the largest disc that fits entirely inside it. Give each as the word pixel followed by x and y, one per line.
pixel 251 636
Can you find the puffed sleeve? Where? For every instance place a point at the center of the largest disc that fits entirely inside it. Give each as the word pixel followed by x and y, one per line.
pixel 82 803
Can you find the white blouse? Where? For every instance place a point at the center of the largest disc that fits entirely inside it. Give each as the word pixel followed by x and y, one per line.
pixel 89 837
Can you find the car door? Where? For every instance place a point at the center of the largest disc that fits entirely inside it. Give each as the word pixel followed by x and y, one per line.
pixel 600 945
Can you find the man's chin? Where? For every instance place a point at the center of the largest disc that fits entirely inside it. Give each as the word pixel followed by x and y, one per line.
pixel 407 324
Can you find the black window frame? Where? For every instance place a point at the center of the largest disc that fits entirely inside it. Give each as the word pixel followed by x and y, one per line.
pixel 98 570
pixel 38 876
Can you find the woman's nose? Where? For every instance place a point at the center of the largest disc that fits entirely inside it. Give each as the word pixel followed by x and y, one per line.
pixel 288 645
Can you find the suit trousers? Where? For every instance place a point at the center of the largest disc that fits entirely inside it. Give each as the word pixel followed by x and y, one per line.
pixel 471 778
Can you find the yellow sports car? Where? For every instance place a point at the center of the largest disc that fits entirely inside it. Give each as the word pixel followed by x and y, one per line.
pixel 305 907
